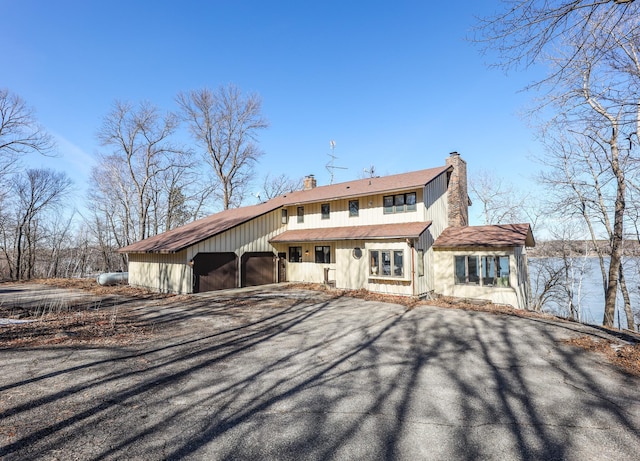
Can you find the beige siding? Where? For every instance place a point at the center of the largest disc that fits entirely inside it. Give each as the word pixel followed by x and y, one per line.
pixel 351 272
pixel 250 236
pixel 308 270
pixel 172 273
pixel 167 273
pixel 445 278
pixel 371 212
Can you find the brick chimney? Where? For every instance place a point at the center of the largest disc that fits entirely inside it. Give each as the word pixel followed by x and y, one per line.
pixel 309 182
pixel 458 197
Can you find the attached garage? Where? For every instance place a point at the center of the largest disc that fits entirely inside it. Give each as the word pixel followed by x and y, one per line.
pixel 258 268
pixel 215 271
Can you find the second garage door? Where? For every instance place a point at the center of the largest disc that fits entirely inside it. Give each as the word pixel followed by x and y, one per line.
pixel 258 268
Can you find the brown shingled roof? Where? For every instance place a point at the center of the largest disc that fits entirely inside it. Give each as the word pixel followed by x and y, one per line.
pixel 325 234
pixel 369 186
pixel 182 237
pixel 499 235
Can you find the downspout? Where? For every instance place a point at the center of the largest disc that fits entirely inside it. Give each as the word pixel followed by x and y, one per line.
pixel 413 267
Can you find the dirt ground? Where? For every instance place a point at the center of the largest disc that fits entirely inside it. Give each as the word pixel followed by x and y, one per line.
pixel 283 372
pixel 110 315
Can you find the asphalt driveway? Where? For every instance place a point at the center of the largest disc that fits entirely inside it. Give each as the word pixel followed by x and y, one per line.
pixel 295 374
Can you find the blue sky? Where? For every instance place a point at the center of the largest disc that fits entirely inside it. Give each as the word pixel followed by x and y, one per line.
pixel 396 84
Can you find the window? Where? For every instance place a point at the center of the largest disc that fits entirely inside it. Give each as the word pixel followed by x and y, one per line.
pixel 488 271
pixel 467 270
pixel 325 210
pixel 374 262
pixel 388 204
pixel 398 267
pixel 354 207
pixel 295 254
pixel 420 263
pixel 285 216
pixel 300 214
pixel 387 263
pixel 495 271
pixel 399 203
pixel 410 201
pixel 323 254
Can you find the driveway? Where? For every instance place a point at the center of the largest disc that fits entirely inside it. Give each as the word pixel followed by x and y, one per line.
pixel 293 374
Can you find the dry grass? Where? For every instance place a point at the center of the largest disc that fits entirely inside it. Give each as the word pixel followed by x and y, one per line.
pixel 90 285
pixel 79 320
pixel 440 301
pixel 120 325
pixel 626 357
pixel 110 326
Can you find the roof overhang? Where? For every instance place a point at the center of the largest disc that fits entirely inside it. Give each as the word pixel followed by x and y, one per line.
pixel 490 236
pixel 376 232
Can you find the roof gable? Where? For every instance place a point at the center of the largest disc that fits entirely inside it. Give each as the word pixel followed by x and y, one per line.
pixel 182 237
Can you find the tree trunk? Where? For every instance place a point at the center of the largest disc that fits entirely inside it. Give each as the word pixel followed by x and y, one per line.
pixel 616 243
pixel 627 301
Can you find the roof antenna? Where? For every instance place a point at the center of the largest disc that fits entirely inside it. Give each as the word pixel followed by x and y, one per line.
pixel 370 172
pixel 330 166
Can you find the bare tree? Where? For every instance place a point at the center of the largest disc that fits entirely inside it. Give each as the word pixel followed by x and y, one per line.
pixel 593 89
pixel 19 134
pixel 226 124
pixel 23 226
pixel 525 32
pixel 19 131
pixel 130 180
pixel 273 186
pixel 501 201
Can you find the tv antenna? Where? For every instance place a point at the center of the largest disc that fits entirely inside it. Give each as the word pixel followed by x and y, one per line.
pixel 330 166
pixel 370 172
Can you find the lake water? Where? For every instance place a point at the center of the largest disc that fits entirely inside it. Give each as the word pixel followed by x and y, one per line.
pixel 589 293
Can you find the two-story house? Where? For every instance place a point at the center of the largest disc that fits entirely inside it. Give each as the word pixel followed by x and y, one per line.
pixel 404 234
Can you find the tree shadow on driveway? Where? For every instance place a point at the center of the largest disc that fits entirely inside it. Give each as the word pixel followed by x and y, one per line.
pixel 316 377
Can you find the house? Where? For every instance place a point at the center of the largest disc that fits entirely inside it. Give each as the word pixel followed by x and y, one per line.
pixel 404 234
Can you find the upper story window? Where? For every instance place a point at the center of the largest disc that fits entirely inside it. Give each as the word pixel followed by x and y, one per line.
pixel 399 203
pixel 285 216
pixel 325 210
pixel 354 207
pixel 300 214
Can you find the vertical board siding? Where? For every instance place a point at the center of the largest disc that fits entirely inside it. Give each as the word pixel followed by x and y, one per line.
pixel 171 273
pixel 351 273
pixel 436 205
pixel 368 214
pixel 166 273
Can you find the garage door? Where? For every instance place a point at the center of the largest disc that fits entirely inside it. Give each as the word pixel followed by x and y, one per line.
pixel 258 269
pixel 215 271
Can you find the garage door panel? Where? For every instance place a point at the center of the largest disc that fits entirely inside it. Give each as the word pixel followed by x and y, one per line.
pixel 215 271
pixel 258 268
